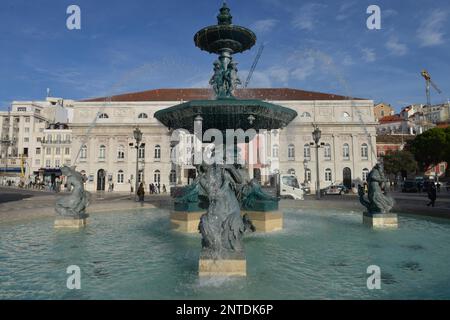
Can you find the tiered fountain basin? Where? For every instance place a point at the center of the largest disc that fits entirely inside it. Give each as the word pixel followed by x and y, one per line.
pixel 320 254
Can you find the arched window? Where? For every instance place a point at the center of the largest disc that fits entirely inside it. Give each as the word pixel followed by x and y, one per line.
pixel 328 177
pixel 346 151
pixel 157 152
pixel 291 171
pixel 307 175
pixel 291 152
pixel 345 115
pixel 364 151
pixel 103 116
pixel 83 153
pixel 121 152
pixel 102 152
pixel 327 152
pixel 173 177
pixel 142 116
pixel 120 176
pixel 307 151
pixel 141 153
pixel 275 151
pixel 306 115
pixel 365 173
pixel 157 176
pixel 141 176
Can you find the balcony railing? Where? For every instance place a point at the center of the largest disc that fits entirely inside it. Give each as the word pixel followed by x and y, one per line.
pixel 45 141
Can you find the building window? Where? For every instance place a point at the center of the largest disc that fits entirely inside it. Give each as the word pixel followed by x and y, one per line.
pixel 142 116
pixel 275 151
pixel 141 176
pixel 48 163
pixel 308 175
pixel 27 119
pixel 364 151
pixel 83 154
pixel 38 151
pixel 66 151
pixel 382 113
pixel 22 109
pixel 27 130
pixel 307 151
pixel 58 151
pixel 346 151
pixel 157 152
pixel 48 151
pixel 365 174
pixel 327 152
pixel 38 139
pixel 120 176
pixel 57 163
pixel 328 175
pixel 102 153
pixel 26 139
pixel 141 153
pixel 37 162
pixel 291 152
pixel 103 116
pixel 67 162
pixel 121 152
pixel 157 176
pixel 173 177
pixel 291 171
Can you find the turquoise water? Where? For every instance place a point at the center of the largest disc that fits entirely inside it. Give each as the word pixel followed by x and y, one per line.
pixel 134 255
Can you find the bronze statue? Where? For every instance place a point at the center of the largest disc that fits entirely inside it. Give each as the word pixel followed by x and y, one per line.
pixel 75 204
pixel 378 201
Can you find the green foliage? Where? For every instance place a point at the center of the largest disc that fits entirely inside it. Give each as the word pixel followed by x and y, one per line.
pixel 431 147
pixel 397 161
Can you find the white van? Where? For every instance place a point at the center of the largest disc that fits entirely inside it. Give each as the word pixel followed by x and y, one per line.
pixel 290 188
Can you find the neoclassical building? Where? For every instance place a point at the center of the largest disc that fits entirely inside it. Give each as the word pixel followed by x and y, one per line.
pixel 97 137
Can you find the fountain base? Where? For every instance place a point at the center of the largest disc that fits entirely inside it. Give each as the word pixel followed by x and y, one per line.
pixel 233 265
pixel 184 221
pixel 74 223
pixel 380 220
pixel 266 221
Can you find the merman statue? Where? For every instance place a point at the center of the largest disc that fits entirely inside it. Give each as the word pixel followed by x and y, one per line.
pixel 73 205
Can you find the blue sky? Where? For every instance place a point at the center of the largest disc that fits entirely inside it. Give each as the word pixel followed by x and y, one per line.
pixel 134 45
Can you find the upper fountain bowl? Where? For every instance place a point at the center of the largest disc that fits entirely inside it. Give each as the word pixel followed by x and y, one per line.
pixel 224 35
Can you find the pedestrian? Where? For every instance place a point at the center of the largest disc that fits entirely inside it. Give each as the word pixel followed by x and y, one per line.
pixel 112 187
pixel 159 188
pixel 438 187
pixel 141 193
pixel 431 194
pixel 164 188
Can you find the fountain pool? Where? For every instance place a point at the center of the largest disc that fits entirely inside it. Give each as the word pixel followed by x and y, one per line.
pixel 134 255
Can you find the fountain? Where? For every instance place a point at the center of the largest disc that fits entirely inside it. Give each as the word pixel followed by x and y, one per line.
pixel 225 187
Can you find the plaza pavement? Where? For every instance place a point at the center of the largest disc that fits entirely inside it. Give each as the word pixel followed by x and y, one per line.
pixel 22 204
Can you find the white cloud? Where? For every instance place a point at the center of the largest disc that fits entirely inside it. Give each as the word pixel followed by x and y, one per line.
pixel 369 55
pixel 430 31
pixel 395 47
pixel 345 10
pixel 306 18
pixel 279 74
pixel 263 26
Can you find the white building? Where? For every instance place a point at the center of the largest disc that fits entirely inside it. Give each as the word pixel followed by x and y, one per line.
pixel 99 137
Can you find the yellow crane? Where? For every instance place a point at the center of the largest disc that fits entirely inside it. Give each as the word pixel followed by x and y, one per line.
pixel 428 83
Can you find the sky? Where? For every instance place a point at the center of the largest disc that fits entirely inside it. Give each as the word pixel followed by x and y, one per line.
pixel 136 45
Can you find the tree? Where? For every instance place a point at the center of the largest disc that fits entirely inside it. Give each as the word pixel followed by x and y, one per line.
pixel 402 161
pixel 431 147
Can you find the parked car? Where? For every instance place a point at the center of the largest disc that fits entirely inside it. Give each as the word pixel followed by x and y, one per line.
pixel 410 186
pixel 333 190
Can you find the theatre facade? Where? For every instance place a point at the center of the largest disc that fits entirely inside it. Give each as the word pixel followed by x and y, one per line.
pixel 97 137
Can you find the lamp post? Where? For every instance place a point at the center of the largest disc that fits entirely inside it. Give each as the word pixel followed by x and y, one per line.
pixel 305 167
pixel 138 137
pixel 316 137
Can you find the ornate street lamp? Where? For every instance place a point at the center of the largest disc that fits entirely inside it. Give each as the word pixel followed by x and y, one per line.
pixel 137 133
pixel 316 134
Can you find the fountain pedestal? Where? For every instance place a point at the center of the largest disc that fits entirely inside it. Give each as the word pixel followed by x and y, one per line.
pixel 233 264
pixel 185 221
pixel 380 220
pixel 266 221
pixel 69 222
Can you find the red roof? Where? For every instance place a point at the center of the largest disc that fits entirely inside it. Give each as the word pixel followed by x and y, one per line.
pixel 206 94
pixel 387 119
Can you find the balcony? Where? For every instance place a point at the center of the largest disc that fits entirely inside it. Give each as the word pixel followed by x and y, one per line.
pixel 56 142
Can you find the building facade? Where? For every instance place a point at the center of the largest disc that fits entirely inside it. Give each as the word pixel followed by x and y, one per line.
pixel 98 139
pixel 383 110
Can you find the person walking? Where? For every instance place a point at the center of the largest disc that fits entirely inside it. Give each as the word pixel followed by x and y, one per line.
pixel 141 193
pixel 431 194
pixel 164 188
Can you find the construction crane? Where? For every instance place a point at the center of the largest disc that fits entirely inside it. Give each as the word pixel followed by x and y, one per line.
pixel 429 83
pixel 252 69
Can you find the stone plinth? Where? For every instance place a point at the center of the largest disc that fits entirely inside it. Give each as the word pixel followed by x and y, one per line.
pixel 266 221
pixel 235 265
pixel 380 220
pixel 70 223
pixel 185 221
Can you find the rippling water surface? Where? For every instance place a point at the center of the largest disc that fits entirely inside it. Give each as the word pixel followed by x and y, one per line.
pixel 134 255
